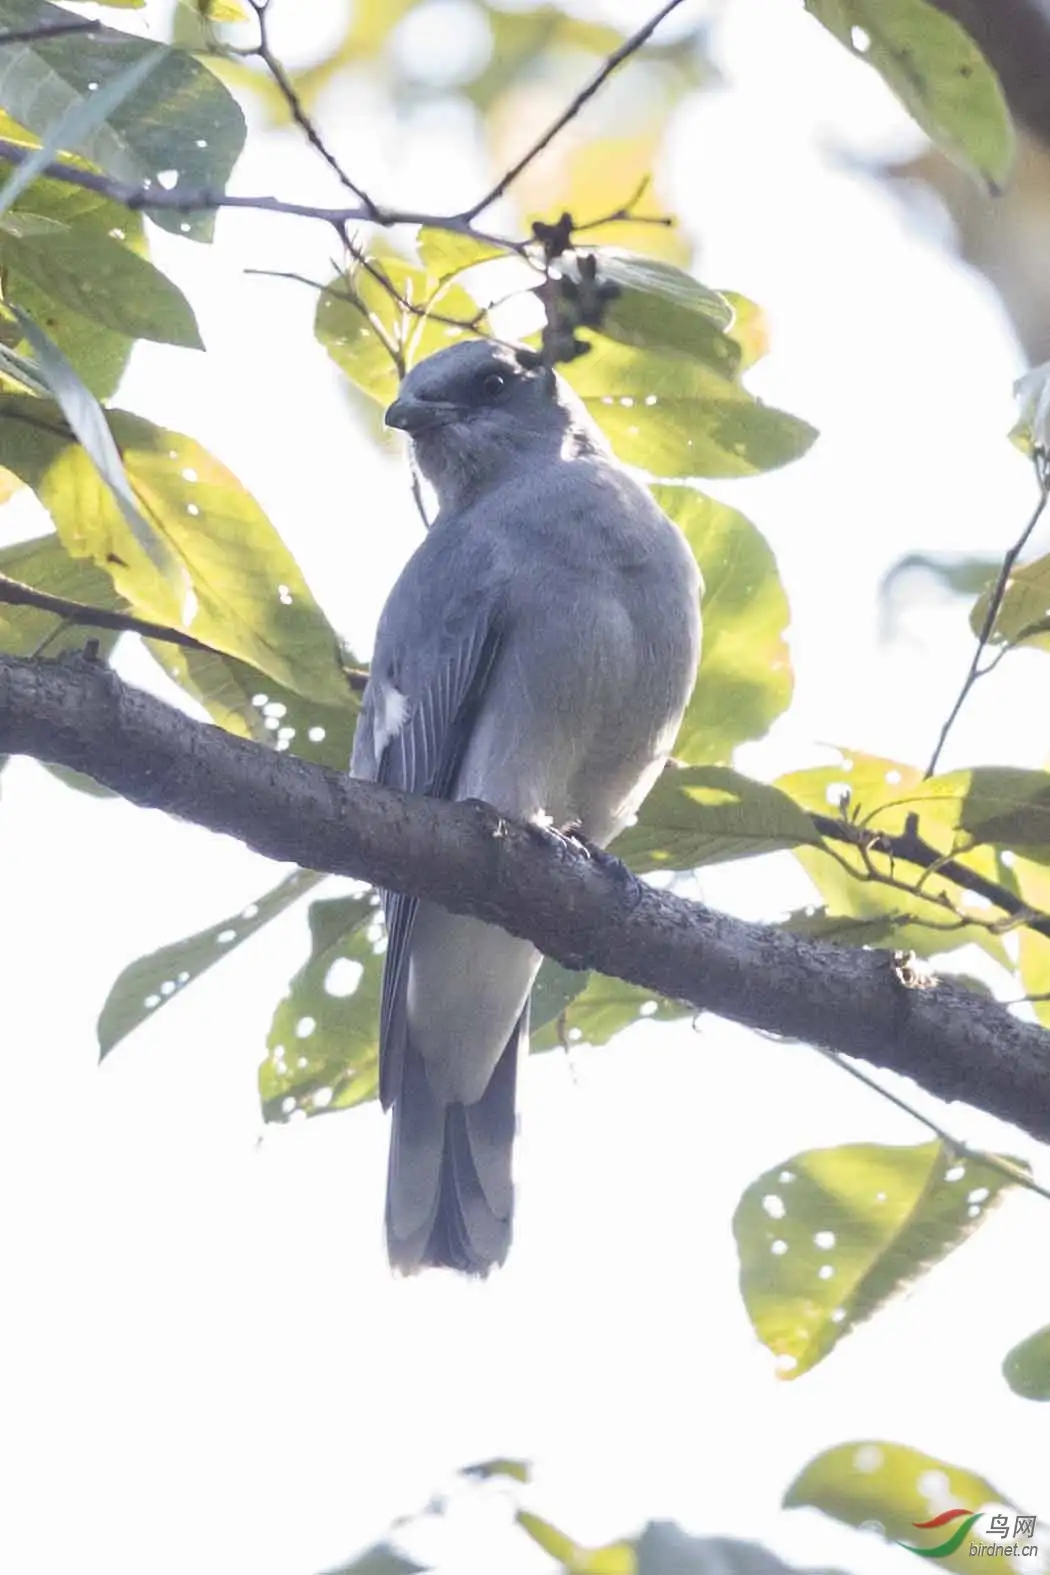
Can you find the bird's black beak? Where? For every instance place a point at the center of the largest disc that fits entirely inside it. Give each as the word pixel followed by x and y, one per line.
pixel 419 415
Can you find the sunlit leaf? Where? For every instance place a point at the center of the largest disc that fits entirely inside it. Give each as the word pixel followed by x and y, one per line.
pixel 708 815
pixel 677 417
pixel 182 126
pixel 826 1238
pixel 98 451
pixel 218 10
pixel 1022 618
pixel 874 1484
pixel 443 253
pixel 146 985
pixel 749 329
pixel 323 1045
pixel 251 599
pixel 745 671
pixel 1026 1368
pixel 365 323
pixel 937 72
pixel 45 564
pixel 615 1559
pixel 868 789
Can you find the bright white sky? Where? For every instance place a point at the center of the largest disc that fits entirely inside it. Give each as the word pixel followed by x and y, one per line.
pixel 207 1364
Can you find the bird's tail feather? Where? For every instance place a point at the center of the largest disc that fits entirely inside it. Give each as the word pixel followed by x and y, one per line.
pixel 450 1194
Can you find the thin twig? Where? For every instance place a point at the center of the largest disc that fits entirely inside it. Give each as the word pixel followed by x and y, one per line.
pixel 995 602
pixel 14 594
pixel 979 1156
pixel 30 35
pixel 629 47
pixel 910 848
pixel 295 107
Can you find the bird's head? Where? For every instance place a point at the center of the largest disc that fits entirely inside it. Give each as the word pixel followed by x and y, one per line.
pixel 476 410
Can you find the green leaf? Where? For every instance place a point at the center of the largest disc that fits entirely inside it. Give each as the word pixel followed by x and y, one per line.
pixel 874 1483
pixel 215 10
pixel 591 1008
pixel 749 329
pixel 708 815
pixel 826 1238
pixel 1022 617
pixel 672 416
pixel 371 336
pixel 146 985
pixel 988 804
pixel 819 924
pixel 1026 1368
pixel 615 1559
pixel 323 1045
pixel 99 354
pixel 246 702
pixel 88 422
pixel 745 670
pixel 662 308
pixel 101 279
pixel 869 789
pixel 45 564
pixel 183 123
pixel 251 600
pixel 80 118
pixel 937 72
pixel 444 253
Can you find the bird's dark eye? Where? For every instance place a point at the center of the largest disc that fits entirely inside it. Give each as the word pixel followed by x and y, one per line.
pixel 493 385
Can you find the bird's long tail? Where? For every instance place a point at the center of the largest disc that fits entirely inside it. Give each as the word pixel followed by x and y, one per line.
pixel 450 1193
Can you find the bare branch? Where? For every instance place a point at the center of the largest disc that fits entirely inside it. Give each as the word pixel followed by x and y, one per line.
pixel 585 912
pixel 629 47
pixel 295 107
pixel 995 602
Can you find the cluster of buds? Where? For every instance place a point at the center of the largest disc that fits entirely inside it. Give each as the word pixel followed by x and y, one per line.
pixel 570 300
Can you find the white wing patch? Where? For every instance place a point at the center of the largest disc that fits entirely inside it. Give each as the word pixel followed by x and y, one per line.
pixel 388 717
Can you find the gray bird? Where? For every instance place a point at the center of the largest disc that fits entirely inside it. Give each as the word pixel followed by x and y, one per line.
pixel 537 652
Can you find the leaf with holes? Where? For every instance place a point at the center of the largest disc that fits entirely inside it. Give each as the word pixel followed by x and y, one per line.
pixel 146 985
pixel 708 815
pixel 323 1045
pixel 871 1482
pixel 938 73
pixel 828 1237
pixel 248 703
pixel 182 126
pixel 616 1558
pixel 745 677
pixel 1026 1367
pixel 672 416
pixel 251 599
pixel 370 334
pixel 662 308
pixel 593 1008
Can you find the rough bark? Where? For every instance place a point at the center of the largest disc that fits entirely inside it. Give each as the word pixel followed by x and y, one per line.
pixel 585 912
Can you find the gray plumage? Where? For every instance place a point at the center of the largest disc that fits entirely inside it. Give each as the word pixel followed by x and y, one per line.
pixel 537 652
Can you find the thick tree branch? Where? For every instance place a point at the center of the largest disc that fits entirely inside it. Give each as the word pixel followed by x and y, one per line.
pixel 586 913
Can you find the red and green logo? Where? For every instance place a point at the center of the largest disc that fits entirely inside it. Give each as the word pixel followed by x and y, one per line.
pixel 951 1543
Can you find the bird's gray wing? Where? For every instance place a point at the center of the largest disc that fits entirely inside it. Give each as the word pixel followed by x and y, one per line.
pixel 442 696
